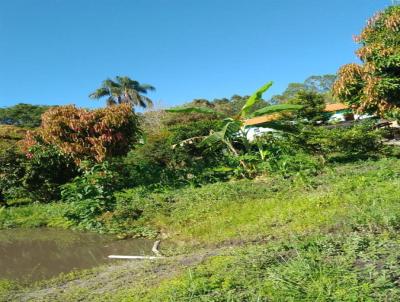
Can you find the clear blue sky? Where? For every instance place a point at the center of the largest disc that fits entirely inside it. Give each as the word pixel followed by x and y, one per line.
pixel 58 51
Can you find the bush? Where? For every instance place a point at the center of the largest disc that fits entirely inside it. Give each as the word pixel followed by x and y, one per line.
pixel 90 195
pixel 164 160
pixel 11 174
pixel 88 134
pixel 45 170
pixel 36 176
pixel 360 140
pixel 300 164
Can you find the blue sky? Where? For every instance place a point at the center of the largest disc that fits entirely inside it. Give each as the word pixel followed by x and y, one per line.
pixel 58 51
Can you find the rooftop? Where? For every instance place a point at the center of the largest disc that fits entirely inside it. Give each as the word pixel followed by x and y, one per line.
pixel 272 117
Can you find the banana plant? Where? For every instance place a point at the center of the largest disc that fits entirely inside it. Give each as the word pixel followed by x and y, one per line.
pixel 233 125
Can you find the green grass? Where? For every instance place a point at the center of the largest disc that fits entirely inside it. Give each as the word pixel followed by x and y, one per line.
pixel 356 267
pixel 355 196
pixel 362 195
pixel 33 216
pixel 333 237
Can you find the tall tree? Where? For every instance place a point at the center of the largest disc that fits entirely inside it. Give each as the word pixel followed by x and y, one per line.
pixel 374 85
pixel 22 115
pixel 320 83
pixel 315 83
pixel 313 105
pixel 124 90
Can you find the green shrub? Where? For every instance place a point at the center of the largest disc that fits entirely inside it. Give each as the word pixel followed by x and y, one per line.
pixel 11 174
pixel 90 195
pixel 300 164
pixel 37 175
pixel 358 140
pixel 163 160
pixel 45 170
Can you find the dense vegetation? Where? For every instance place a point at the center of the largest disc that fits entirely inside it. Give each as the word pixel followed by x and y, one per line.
pixel 333 236
pixel 375 84
pixel 310 208
pixel 22 115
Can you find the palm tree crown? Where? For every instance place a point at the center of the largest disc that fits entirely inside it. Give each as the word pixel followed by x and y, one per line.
pixel 124 90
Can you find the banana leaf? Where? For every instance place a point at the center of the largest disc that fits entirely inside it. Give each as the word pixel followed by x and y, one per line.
pixel 252 100
pixel 230 129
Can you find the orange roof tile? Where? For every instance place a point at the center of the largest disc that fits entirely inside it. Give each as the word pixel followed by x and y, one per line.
pixel 273 117
pixel 261 119
pixel 335 107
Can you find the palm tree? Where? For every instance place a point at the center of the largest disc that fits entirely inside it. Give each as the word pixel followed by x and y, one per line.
pixel 124 90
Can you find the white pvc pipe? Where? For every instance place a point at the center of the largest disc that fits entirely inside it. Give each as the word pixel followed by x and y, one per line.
pixel 134 257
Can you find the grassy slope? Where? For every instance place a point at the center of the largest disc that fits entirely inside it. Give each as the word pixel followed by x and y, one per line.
pixel 333 238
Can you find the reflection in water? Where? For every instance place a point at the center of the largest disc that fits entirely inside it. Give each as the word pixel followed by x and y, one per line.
pixel 42 253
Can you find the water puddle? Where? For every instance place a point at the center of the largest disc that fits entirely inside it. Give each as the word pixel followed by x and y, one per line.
pixel 36 254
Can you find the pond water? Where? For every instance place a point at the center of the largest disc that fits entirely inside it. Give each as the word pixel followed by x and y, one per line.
pixel 36 254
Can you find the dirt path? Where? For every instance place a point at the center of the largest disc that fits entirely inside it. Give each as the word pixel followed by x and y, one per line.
pixel 109 279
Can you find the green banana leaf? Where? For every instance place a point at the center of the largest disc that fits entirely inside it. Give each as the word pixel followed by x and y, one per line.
pixel 252 100
pixel 230 128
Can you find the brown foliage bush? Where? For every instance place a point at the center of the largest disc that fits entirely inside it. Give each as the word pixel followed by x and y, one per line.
pixel 87 134
pixel 374 85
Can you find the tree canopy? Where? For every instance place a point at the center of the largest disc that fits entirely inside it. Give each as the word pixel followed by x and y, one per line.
pixel 22 115
pixel 316 83
pixel 227 106
pixel 374 85
pixel 124 90
pixel 87 134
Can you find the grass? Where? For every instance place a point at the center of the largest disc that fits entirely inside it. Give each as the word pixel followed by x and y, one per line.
pixel 359 267
pixel 362 195
pixel 333 237
pixel 33 216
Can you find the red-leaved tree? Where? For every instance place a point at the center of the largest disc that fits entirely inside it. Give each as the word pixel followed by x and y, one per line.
pixel 87 134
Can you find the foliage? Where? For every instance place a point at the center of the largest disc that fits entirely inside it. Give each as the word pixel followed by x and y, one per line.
pixel 267 239
pixel 34 215
pixel 22 115
pixel 124 90
pixel 33 177
pixel 342 267
pixel 221 107
pixel 374 85
pixel 299 164
pixel 90 195
pixel 320 84
pixel 253 99
pixel 9 136
pixel 313 105
pixel 275 109
pixel 11 174
pixel 163 159
pixel 88 134
pixel 231 127
pixel 344 198
pixel 45 170
pixel 360 140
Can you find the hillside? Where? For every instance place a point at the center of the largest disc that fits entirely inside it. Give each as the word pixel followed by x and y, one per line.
pixel 330 237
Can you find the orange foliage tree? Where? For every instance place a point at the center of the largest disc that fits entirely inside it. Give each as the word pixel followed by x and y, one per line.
pixel 87 134
pixel 374 85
